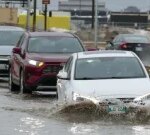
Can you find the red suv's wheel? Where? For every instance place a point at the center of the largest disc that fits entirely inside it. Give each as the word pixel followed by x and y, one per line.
pixel 23 89
pixel 12 86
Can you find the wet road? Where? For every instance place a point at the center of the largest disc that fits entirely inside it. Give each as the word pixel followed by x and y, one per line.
pixel 38 115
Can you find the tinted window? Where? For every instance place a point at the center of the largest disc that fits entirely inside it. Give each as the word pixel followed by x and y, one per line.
pixel 108 67
pixel 54 45
pixel 136 38
pixel 9 37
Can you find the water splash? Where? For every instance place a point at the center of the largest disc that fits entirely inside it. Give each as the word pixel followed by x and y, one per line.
pixel 87 111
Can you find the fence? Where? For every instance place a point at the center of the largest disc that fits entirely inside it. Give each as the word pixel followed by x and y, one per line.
pixel 105 30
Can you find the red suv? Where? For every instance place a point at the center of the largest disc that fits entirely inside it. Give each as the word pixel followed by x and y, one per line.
pixel 37 58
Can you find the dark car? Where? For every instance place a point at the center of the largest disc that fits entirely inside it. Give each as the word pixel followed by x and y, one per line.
pixel 140 44
pixel 38 57
pixel 9 36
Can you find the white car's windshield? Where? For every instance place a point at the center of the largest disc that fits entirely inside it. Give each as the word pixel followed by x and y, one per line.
pixel 108 67
pixel 54 45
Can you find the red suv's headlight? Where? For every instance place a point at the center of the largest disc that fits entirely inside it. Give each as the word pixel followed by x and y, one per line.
pixel 35 63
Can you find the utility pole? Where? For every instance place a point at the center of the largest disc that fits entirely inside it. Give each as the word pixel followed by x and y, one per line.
pixel 80 9
pixel 96 21
pixel 93 14
pixel 28 16
pixel 45 21
pixel 45 18
pixel 34 16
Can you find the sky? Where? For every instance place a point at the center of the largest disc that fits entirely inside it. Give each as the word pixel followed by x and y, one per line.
pixel 117 5
pixel 113 5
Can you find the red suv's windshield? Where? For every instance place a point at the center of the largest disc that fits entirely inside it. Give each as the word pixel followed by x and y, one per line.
pixel 54 45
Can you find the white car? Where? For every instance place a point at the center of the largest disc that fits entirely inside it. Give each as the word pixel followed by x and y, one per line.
pixel 114 78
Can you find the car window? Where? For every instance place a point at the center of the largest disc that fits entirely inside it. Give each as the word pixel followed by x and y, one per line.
pixel 54 45
pixel 136 39
pixel 108 67
pixel 13 37
pixel 117 38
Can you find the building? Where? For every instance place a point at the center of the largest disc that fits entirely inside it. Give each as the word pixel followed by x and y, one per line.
pixel 82 10
pixel 80 5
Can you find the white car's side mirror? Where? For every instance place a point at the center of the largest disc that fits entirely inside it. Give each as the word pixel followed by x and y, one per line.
pixel 62 75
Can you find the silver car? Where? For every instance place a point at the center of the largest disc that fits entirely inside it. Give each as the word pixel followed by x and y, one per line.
pixel 9 36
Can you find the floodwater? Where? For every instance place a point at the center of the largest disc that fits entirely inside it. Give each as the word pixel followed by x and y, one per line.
pixel 40 114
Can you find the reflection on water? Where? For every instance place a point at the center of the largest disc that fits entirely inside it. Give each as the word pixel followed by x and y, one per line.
pixel 141 130
pixel 30 125
pixel 32 122
pixel 78 128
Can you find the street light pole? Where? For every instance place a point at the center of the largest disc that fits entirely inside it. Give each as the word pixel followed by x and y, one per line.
pixel 45 18
pixel 34 16
pixel 80 9
pixel 93 9
pixel 96 22
pixel 28 16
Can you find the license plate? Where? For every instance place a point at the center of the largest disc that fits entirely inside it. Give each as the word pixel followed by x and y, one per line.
pixel 139 49
pixel 115 109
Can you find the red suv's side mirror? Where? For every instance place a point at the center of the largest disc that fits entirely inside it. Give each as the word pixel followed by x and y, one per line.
pixel 17 50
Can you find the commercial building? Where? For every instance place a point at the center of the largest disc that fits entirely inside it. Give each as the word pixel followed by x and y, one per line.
pixel 80 6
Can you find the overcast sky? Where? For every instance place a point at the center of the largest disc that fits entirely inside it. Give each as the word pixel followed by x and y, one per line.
pixel 143 5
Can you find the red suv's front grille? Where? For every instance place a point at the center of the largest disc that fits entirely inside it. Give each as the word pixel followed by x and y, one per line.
pixel 52 69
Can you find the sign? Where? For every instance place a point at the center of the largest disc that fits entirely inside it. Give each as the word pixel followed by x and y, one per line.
pixel 45 1
pixel 116 109
pixel 8 15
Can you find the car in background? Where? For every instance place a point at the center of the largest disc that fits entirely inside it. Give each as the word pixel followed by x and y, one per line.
pixel 38 57
pixel 103 76
pixel 140 44
pixel 9 36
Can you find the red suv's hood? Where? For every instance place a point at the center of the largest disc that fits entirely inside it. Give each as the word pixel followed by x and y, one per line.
pixel 48 57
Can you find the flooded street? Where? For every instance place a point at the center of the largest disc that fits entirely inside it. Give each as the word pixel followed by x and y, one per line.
pixel 36 115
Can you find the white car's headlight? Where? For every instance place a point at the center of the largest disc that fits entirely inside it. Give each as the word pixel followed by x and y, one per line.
pixel 36 63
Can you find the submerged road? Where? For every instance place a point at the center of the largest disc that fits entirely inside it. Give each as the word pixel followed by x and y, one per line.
pixel 37 114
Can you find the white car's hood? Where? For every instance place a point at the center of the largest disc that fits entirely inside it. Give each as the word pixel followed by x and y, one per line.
pixel 112 88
